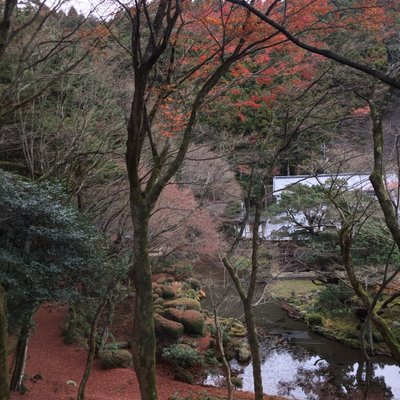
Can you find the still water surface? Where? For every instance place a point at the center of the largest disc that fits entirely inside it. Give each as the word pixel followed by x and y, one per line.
pixel 308 366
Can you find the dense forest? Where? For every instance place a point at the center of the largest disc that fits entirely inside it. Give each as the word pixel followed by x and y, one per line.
pixel 139 148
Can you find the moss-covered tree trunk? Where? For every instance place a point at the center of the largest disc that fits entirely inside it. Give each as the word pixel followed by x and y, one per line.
pixel 4 390
pixel 143 340
pixel 345 236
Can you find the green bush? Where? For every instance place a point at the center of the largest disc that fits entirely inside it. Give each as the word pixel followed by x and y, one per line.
pixel 182 355
pixel 194 283
pixel 334 299
pixel 314 319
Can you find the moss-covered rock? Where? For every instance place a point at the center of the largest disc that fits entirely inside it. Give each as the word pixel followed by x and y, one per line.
pixel 193 322
pixel 172 314
pixel 167 328
pixel 184 303
pixel 116 359
pixel 183 375
pixel 243 354
pixel 159 301
pixel 158 309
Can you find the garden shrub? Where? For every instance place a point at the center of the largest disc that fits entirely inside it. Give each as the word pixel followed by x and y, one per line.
pixel 334 299
pixel 194 283
pixel 182 355
pixel 166 328
pixel 193 321
pixel 314 319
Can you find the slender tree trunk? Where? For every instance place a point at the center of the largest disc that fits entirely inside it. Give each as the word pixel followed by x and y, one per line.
pixel 106 332
pixel 20 357
pixel 4 390
pixel 143 340
pixel 255 351
pixel 225 362
pixel 247 300
pixel 92 349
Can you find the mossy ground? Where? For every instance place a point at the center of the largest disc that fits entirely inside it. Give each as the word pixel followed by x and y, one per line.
pixel 292 287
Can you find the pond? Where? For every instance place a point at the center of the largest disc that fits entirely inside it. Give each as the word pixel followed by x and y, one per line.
pixel 299 364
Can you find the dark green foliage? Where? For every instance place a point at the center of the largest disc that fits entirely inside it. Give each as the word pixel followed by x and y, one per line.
pixel 47 251
pixel 310 215
pixel 182 355
pixel 314 319
pixel 334 299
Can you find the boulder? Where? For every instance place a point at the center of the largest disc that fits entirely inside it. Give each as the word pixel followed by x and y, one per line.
pixel 116 359
pixel 243 354
pixel 193 321
pixel 183 375
pixel 166 328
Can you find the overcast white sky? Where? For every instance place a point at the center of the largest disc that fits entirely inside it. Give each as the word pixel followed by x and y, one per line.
pixel 103 7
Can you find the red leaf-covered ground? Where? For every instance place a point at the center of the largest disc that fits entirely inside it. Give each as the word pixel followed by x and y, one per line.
pixel 58 363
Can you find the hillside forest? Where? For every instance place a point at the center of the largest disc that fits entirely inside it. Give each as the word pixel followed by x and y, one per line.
pixel 141 144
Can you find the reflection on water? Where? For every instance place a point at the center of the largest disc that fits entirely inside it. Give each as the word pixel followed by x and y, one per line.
pixel 290 372
pixel 307 366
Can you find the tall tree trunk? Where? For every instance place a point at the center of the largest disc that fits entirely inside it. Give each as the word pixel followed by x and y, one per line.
pixel 4 390
pixel 143 340
pixel 92 349
pixel 20 356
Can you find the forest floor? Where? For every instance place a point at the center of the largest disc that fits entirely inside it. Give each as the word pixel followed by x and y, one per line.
pixel 54 369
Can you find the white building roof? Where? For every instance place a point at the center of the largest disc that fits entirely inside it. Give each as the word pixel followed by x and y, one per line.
pixel 351 181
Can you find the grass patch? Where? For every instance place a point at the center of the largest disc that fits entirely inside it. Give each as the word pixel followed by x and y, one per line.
pixel 342 327
pixel 293 287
